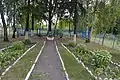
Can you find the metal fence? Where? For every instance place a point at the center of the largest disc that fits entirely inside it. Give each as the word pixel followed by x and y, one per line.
pixel 110 40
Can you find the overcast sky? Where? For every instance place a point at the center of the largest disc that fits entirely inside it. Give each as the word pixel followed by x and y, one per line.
pixel 54 19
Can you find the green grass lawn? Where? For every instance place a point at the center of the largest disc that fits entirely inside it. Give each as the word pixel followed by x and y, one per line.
pixel 20 70
pixel 75 70
pixel 108 42
pixel 94 46
pixel 4 44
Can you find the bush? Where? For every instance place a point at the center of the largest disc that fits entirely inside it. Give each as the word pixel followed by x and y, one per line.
pixel 10 54
pixel 80 47
pixel 27 41
pixel 18 45
pixel 71 44
pixel 102 59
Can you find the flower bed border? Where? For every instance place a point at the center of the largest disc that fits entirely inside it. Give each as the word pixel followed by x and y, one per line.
pixel 30 71
pixel 63 65
pixel 5 48
pixel 79 61
pixel 9 67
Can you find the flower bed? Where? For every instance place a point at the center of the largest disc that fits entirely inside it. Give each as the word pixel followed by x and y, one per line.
pixel 10 54
pixel 98 62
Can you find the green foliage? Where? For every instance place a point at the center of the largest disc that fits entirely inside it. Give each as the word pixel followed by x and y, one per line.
pixel 27 41
pixel 102 59
pixel 98 61
pixel 65 23
pixel 50 34
pixel 71 44
pixel 80 47
pixel 10 54
pixel 18 45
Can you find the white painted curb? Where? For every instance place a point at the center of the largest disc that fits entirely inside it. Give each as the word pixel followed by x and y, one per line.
pixel 16 61
pixel 79 61
pixel 33 66
pixel 67 77
pixel 117 64
pixel 5 48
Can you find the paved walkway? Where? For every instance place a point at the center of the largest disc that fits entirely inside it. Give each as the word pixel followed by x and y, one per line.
pixel 48 66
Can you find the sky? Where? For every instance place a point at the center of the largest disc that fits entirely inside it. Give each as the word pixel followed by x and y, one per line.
pixel 54 19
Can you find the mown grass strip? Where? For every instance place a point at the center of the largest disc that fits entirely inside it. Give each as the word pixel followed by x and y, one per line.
pixel 63 65
pixel 20 70
pixel 33 66
pixel 75 70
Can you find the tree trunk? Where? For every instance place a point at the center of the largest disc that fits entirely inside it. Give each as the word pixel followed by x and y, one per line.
pixel 5 27
pixel 103 39
pixel 50 17
pixel 95 38
pixel 69 29
pixel 75 21
pixel 32 31
pixel 55 26
pixel 89 35
pixel 3 22
pixel 27 22
pixel 27 26
pixel 114 41
pixel 14 28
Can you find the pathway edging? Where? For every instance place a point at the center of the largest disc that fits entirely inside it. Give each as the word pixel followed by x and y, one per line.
pixel 66 74
pixel 33 66
pixel 5 48
pixel 79 61
pixel 16 61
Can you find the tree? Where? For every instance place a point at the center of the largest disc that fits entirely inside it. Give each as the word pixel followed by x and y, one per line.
pixel 106 17
pixel 3 21
pixel 14 20
pixel 33 18
pixel 75 8
pixel 27 19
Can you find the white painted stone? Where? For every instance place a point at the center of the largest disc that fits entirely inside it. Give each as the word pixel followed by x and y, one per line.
pixel 50 38
pixel 74 38
pixel 26 35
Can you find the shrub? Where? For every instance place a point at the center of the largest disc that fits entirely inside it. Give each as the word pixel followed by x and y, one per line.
pixel 18 45
pixel 80 47
pixel 71 44
pixel 102 59
pixel 10 54
pixel 27 41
